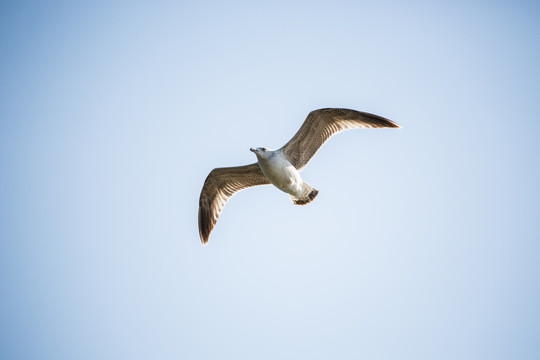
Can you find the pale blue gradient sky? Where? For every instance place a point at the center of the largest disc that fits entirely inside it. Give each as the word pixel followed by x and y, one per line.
pixel 422 244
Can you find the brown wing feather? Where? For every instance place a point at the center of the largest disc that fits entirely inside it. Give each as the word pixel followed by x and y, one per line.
pixel 321 124
pixel 220 185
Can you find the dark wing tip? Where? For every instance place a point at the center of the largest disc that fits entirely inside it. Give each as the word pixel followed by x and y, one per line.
pixel 205 227
pixel 381 122
pixel 394 125
pixel 378 121
pixel 391 124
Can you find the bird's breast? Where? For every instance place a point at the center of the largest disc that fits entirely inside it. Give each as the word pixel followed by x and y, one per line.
pixel 281 173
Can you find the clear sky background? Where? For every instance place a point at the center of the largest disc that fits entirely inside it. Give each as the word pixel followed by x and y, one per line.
pixel 422 244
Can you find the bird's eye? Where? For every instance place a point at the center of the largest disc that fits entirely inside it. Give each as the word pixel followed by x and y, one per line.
pixel 264 149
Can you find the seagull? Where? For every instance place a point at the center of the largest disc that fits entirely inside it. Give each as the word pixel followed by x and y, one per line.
pixel 280 167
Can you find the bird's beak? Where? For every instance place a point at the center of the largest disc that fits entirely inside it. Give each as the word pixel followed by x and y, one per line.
pixel 253 149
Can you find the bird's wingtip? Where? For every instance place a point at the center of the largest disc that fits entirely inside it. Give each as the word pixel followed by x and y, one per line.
pixel 204 239
pixel 393 125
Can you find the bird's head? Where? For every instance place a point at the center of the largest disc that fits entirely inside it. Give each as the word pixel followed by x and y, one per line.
pixel 261 152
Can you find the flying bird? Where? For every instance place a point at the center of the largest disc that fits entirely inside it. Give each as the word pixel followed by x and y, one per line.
pixel 280 167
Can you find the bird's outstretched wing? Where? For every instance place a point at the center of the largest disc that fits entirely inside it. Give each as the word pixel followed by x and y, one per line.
pixel 320 125
pixel 220 185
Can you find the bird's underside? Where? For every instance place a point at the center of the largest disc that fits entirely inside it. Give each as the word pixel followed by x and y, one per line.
pixel 222 183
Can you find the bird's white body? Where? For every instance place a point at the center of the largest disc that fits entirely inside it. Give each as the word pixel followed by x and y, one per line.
pixel 275 166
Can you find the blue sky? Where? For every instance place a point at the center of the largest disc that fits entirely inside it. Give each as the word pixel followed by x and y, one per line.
pixel 422 243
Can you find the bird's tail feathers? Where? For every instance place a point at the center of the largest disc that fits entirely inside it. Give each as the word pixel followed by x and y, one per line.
pixel 310 193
